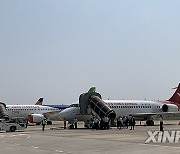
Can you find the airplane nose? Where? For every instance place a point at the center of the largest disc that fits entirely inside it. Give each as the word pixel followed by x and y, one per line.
pixel 63 115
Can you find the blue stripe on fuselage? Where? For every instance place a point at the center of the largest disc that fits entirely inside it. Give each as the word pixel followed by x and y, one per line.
pixel 61 107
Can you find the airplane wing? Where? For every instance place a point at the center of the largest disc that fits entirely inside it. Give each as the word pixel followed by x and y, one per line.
pixel 48 114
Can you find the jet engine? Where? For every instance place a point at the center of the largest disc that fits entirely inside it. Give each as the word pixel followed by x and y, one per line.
pixel 170 108
pixel 35 118
pixel 165 108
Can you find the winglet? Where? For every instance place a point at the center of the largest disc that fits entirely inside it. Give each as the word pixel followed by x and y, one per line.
pixel 92 90
pixel 176 96
pixel 39 102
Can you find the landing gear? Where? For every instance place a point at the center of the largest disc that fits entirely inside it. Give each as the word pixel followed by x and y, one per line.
pixel 71 126
pixel 49 122
pixel 150 123
pixel 88 124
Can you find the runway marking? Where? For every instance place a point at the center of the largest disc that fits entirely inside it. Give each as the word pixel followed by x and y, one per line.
pixel 34 147
pixel 28 137
pixel 12 135
pixel 3 141
pixel 59 151
pixel 20 135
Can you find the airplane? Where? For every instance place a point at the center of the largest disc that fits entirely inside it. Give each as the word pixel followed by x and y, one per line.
pixel 140 109
pixel 33 113
pixel 54 116
pixel 61 107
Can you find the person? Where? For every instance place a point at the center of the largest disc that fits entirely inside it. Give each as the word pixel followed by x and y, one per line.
pixel 88 124
pixel 26 123
pixel 96 123
pixel 44 122
pixel 75 123
pixel 127 122
pixel 106 122
pixel 102 124
pixel 64 124
pixel 161 126
pixel 124 120
pixel 119 122
pixel 132 123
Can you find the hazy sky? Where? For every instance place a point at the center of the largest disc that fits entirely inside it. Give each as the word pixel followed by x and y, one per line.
pixel 57 49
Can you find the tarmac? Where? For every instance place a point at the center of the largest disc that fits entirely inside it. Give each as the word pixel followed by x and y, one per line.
pixel 56 140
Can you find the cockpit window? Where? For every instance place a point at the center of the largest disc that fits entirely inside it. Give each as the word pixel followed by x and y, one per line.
pixel 74 105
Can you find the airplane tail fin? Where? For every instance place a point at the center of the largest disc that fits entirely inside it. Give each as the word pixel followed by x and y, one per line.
pixel 176 96
pixel 92 90
pixel 39 102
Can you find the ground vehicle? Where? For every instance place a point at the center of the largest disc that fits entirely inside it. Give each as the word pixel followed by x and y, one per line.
pixel 16 123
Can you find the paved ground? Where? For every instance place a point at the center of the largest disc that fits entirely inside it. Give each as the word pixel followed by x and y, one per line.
pixel 86 141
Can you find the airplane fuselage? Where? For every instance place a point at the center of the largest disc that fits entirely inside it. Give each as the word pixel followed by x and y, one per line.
pixel 25 110
pixel 132 107
pixel 126 108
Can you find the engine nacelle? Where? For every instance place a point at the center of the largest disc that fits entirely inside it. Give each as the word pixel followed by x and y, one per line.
pixel 165 108
pixel 35 118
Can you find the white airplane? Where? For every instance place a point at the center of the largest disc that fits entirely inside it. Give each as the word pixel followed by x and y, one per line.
pixel 33 113
pixel 140 109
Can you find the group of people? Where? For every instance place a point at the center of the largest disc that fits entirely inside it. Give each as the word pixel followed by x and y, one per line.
pixel 101 124
pixel 125 122
pixel 122 122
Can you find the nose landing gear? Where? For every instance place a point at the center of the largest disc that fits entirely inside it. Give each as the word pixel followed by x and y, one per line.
pixel 150 123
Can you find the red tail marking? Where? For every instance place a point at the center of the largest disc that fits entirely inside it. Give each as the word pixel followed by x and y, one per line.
pixel 176 96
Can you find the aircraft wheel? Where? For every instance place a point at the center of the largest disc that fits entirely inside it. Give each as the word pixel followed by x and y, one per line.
pixel 49 122
pixel 71 126
pixel 150 123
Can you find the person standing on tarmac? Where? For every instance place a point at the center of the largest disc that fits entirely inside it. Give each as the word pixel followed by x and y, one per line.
pixel 127 122
pixel 102 123
pixel 132 122
pixel 75 123
pixel 119 123
pixel 64 124
pixel 44 122
pixel 124 120
pixel 26 123
pixel 161 126
pixel 106 123
pixel 96 123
